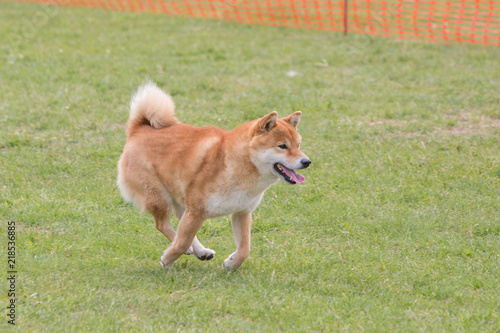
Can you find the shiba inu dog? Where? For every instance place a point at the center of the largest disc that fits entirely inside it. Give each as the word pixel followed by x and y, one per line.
pixel 203 172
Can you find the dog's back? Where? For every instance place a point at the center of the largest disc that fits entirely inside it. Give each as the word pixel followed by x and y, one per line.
pixel 162 154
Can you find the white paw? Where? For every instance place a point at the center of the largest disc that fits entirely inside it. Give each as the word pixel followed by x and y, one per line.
pixel 204 254
pixel 166 266
pixel 164 262
pixel 229 263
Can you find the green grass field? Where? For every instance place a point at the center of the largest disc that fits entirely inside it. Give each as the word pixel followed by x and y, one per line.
pixel 395 230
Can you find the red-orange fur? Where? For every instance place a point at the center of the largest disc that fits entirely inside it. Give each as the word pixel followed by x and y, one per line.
pixel 199 172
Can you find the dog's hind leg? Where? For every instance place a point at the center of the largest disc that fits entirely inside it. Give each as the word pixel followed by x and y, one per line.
pixel 162 223
pixel 160 208
pixel 197 248
pixel 241 223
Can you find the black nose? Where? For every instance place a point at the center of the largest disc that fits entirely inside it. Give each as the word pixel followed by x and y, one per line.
pixel 305 162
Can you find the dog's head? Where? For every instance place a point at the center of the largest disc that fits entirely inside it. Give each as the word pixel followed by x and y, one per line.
pixel 275 147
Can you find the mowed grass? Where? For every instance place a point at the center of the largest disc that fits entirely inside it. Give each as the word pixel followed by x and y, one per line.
pixel 395 230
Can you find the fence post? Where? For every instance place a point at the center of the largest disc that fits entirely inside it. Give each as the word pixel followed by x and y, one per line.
pixel 345 16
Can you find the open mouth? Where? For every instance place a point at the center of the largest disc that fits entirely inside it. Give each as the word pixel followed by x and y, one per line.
pixel 289 175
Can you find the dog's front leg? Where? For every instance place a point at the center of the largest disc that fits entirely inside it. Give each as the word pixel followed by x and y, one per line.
pixel 186 231
pixel 241 223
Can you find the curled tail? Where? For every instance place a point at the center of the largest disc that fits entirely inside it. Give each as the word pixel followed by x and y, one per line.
pixel 150 106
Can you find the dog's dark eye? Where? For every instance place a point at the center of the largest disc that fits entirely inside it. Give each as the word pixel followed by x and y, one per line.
pixel 283 146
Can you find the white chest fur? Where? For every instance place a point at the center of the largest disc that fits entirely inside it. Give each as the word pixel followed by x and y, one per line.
pixel 232 202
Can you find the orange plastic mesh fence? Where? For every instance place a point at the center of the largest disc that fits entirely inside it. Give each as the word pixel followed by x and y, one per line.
pixel 474 21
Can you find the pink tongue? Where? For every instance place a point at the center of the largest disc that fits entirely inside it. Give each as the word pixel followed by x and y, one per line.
pixel 299 179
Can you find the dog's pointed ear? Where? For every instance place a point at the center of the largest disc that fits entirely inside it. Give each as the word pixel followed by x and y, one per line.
pixel 293 119
pixel 267 123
